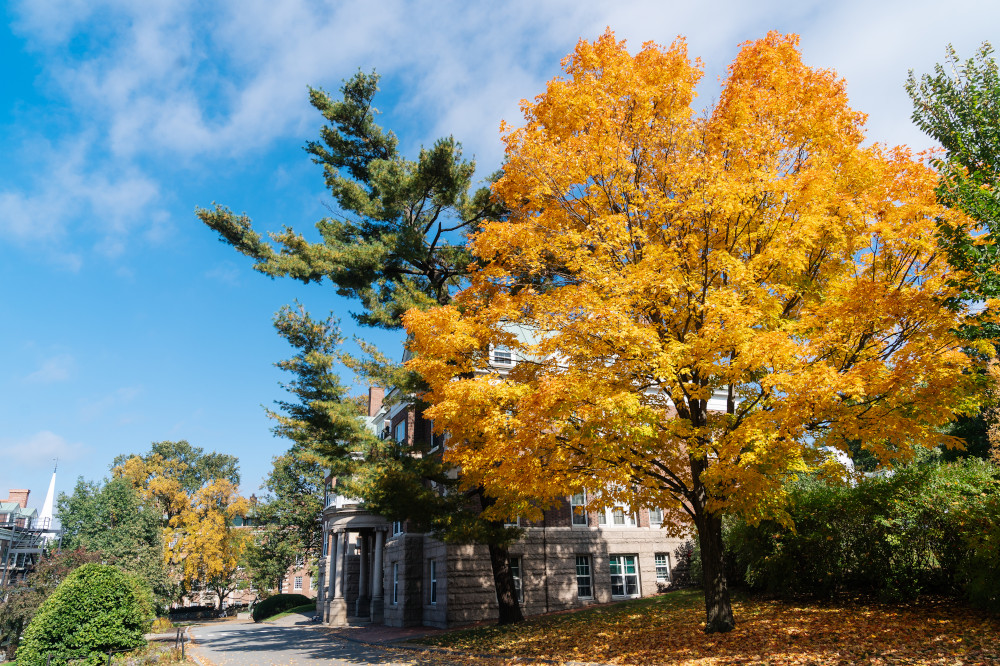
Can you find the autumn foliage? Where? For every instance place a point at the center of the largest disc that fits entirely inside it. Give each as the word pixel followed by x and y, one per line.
pixel 699 304
pixel 668 630
pixel 204 546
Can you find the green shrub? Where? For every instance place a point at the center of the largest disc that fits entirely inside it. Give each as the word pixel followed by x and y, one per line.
pixel 277 604
pixel 98 608
pixel 933 527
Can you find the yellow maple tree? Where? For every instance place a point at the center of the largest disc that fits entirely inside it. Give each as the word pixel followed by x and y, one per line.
pixel 204 547
pixel 700 305
pixel 157 481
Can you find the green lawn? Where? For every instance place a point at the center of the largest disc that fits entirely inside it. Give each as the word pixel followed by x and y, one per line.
pixel 304 608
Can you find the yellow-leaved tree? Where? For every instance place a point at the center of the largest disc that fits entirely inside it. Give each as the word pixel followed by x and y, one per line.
pixel 699 306
pixel 204 547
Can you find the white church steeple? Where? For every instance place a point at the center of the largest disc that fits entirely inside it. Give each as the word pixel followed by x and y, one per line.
pixel 45 517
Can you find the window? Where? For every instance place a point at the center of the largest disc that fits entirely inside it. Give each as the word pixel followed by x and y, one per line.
pixel 501 356
pixel 662 568
pixel 300 560
pixel 515 572
pixel 395 583
pixel 578 506
pixel 513 522
pixel 617 516
pixel 400 433
pixel 655 517
pixel 397 527
pixel 624 576
pixel 434 581
pixel 584 586
pixel 298 583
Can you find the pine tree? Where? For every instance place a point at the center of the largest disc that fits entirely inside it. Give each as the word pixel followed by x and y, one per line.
pixel 399 241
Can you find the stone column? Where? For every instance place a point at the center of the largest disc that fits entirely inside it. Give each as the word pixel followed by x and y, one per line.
pixel 378 596
pixel 364 599
pixel 338 605
pixel 327 580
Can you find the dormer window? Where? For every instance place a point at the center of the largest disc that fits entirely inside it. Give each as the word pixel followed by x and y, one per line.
pixel 502 356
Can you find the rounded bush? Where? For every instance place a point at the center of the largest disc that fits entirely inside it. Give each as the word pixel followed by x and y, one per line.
pixel 98 608
pixel 277 604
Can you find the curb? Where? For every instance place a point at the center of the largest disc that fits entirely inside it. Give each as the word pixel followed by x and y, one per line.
pixel 190 642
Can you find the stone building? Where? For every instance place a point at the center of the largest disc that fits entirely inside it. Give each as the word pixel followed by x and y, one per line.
pixel 381 572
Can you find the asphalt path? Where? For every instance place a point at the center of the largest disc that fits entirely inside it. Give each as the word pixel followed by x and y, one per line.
pixel 245 643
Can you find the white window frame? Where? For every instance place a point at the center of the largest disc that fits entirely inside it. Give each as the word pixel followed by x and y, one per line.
pixel 399 432
pixel 662 563
pixel 433 582
pixel 626 582
pixel 397 527
pixel 655 517
pixel 584 577
pixel 297 585
pixel 516 522
pixel 395 583
pixel 517 573
pixel 578 510
pixel 502 356
pixel 618 516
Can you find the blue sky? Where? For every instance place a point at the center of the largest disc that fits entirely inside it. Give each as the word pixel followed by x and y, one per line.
pixel 126 322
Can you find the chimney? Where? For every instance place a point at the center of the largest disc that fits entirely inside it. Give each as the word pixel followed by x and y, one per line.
pixel 375 396
pixel 19 496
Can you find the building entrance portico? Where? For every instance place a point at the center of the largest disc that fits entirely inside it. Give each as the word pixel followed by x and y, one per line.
pixel 351 573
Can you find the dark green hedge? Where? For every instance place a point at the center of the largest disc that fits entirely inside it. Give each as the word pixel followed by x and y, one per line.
pixel 98 608
pixel 277 604
pixel 924 528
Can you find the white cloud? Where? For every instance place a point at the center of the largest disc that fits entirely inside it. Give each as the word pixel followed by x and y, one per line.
pixel 169 75
pixel 58 368
pixel 173 82
pixel 37 451
pixel 73 193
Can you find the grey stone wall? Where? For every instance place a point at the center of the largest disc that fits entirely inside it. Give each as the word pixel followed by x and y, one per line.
pixel 436 614
pixel 407 551
pixel 548 563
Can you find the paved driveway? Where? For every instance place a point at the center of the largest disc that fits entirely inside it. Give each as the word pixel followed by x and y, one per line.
pixel 245 643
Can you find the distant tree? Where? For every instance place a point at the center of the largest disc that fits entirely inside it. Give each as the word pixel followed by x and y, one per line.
pixel 296 485
pixel 96 609
pixel 22 599
pixel 111 518
pixel 172 471
pixel 285 519
pixel 399 241
pixel 204 547
pixel 268 555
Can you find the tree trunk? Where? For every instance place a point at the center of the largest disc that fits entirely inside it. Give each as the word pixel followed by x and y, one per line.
pixel 718 609
pixel 503 580
pixel 510 609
